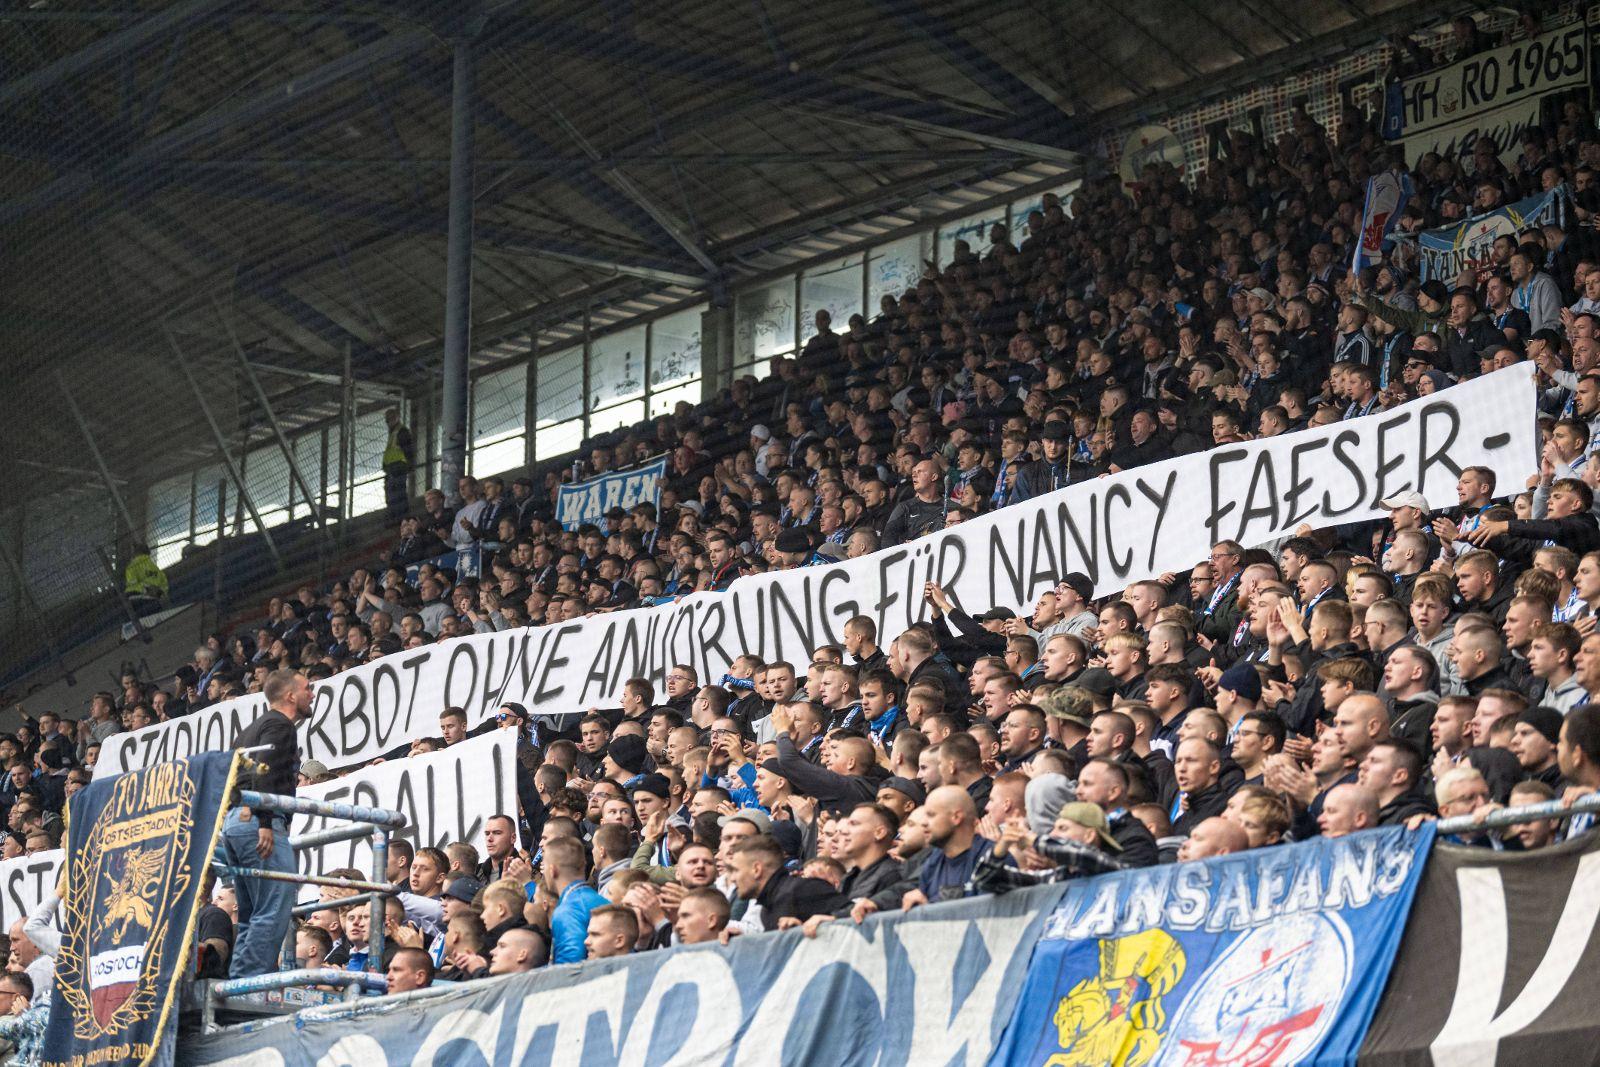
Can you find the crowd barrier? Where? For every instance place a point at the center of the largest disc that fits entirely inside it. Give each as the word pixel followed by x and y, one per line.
pixel 1325 951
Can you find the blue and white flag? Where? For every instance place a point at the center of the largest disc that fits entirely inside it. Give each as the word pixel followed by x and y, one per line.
pixel 587 502
pixel 1272 956
pixel 1448 250
pixel 1387 194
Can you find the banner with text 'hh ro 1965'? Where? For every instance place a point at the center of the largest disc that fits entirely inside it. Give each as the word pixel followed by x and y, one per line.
pixel 138 845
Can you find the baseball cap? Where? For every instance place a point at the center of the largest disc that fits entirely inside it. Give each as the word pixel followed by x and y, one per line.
pixel 1241 678
pixel 313 768
pixel 464 889
pixel 792 540
pixel 1056 430
pixel 755 816
pixel 1070 703
pixel 1098 681
pixel 1408 499
pixel 997 615
pixel 1085 814
pixel 760 432
pixel 654 784
pixel 909 787
pixel 1264 296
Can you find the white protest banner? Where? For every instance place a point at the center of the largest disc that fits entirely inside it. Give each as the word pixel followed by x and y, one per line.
pixel 445 796
pixel 1487 81
pixel 1457 141
pixel 1118 529
pixel 25 882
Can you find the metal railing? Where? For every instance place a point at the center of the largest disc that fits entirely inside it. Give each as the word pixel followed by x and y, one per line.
pixel 1504 817
pixel 373 824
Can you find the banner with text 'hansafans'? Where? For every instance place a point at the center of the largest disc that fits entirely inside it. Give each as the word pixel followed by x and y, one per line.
pixel 138 845
pixel 1274 956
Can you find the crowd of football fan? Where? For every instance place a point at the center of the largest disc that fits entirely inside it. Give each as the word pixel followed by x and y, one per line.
pixel 1438 663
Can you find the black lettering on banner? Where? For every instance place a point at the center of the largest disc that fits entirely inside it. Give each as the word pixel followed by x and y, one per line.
pixel 1297 485
pixel 843 612
pixel 1341 453
pixel 999 558
pixel 461 650
pixel 353 713
pixel 1088 554
pixel 947 577
pixel 125 743
pixel 464 830
pixel 1439 457
pixel 630 655
pixel 317 726
pixel 1119 567
pixel 1252 510
pixel 783 605
pixel 1044 565
pixel 1162 501
pixel 715 615
pixel 413 664
pixel 599 665
pixel 555 661
pixel 1386 464
pixel 888 597
pixel 758 616
pixel 1218 458
pixel 405 802
pixel 915 583
pixel 491 692
pixel 385 673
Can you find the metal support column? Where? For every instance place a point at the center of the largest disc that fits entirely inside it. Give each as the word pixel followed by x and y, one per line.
pixel 25 594
pixel 458 270
pixel 222 446
pixel 99 460
pixel 530 407
pixel 347 444
pixel 272 417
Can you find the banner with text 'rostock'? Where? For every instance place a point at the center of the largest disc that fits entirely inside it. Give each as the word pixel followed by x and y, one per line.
pixel 1119 529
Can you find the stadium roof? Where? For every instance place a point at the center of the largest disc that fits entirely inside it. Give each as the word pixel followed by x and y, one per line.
pixel 181 175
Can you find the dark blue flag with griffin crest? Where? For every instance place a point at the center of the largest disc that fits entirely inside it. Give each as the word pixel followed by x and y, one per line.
pixel 137 849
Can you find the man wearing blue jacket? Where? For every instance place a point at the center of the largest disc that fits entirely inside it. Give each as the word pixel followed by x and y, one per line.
pixel 563 864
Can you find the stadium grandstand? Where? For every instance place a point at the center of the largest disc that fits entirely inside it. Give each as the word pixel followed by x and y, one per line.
pixel 1114 482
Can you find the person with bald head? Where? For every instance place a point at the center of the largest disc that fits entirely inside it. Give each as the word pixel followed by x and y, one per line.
pixel 1361 722
pixel 1348 808
pixel 1215 836
pixel 952 821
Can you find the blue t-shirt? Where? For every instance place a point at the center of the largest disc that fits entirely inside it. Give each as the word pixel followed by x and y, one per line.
pixel 945 877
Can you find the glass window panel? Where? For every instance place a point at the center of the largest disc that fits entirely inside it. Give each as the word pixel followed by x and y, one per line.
pixel 499 401
pixel 974 230
pixel 558 440
pixel 662 401
pixel 168 510
pixel 675 349
pixel 560 386
pixel 367 496
pixel 616 417
pixel 1021 209
pixel 894 269
pixel 834 288
pixel 496 456
pixel 371 437
pixel 267 478
pixel 763 321
pixel 616 367
pixel 208 483
pixel 308 457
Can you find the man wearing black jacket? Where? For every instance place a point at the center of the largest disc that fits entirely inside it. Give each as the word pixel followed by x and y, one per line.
pixel 872 869
pixel 1104 781
pixel 852 774
pixel 756 870
pixel 1198 768
pixel 1393 770
pixel 257 838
